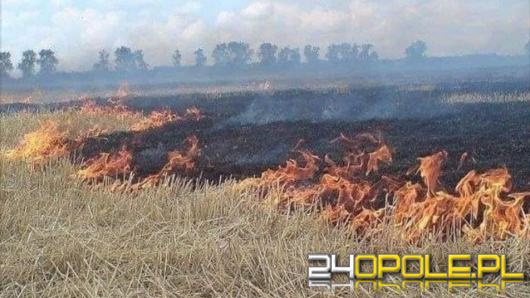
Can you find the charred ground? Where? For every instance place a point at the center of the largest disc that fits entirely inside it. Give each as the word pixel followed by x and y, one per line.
pixel 246 133
pixel 494 135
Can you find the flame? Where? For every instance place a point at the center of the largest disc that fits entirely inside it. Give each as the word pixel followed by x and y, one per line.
pixel 42 144
pixel 375 158
pixel 107 165
pixel 481 207
pixel 116 109
pixel 343 189
pixel 193 113
pixel 291 172
pixel 48 141
pixel 349 192
pixel 121 94
pixel 477 194
pixel 28 99
pixel 430 169
pixel 156 119
pixel 177 160
pixel 164 117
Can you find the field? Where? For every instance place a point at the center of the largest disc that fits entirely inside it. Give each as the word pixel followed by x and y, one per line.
pixel 116 198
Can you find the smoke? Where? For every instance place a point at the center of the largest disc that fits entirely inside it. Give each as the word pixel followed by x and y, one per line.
pixel 357 105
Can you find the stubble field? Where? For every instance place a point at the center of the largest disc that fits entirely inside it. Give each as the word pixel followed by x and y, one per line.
pixel 211 224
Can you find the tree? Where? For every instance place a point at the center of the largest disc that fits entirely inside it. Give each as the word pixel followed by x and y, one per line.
pixel 47 61
pixel 295 57
pixel 267 53
pixel 311 54
pixel 345 53
pixel 128 60
pixel 177 57
pixel 5 64
pixel 232 54
pixel 342 53
pixel 139 60
pixel 240 53
pixel 27 65
pixel 416 50
pixel 356 53
pixel 367 53
pixel 333 53
pixel 200 58
pixel 220 54
pixel 288 56
pixel 103 64
pixel 125 59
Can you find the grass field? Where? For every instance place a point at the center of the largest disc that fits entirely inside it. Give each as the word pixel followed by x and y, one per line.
pixel 60 238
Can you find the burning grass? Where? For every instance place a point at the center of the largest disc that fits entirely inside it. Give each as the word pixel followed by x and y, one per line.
pixel 181 239
pixel 47 142
pixel 58 237
pixel 160 118
pixel 351 191
pixel 107 165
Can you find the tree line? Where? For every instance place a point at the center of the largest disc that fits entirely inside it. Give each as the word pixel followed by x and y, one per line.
pixel 228 54
pixel 46 60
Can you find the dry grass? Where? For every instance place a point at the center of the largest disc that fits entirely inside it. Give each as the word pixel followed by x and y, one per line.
pixel 57 238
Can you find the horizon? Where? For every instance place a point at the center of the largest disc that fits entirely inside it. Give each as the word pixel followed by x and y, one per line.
pixel 449 28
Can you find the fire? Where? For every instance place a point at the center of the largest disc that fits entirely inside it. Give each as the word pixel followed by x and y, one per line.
pixel 156 119
pixel 343 189
pixel 107 165
pixel 90 107
pixel 381 155
pixel 352 190
pixel 177 160
pixel 121 163
pixel 430 169
pixel 193 113
pixel 479 197
pixel 164 117
pixel 481 207
pixel 291 172
pixel 42 144
pixel 49 141
pixel 121 94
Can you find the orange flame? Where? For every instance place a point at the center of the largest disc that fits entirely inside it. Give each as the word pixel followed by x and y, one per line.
pixel 176 161
pixel 380 155
pixel 291 172
pixel 116 109
pixel 107 165
pixel 156 119
pixel 481 207
pixel 431 168
pixel 161 118
pixel 42 144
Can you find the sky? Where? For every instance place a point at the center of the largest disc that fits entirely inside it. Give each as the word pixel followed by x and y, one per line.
pixel 77 30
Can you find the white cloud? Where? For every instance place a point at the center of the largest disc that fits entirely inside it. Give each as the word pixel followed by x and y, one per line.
pixel 258 10
pixel 158 27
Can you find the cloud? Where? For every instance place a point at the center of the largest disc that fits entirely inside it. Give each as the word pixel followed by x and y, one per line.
pixel 258 10
pixel 78 29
